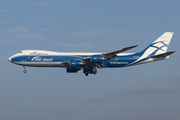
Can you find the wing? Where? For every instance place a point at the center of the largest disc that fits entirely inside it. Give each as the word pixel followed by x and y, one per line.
pixel 105 56
pixel 91 63
pixel 111 55
pixel 101 57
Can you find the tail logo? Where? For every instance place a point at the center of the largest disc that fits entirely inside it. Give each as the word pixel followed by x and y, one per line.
pixel 159 46
pixel 156 48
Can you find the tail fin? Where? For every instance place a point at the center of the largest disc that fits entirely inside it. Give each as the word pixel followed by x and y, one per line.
pixel 156 50
pixel 159 46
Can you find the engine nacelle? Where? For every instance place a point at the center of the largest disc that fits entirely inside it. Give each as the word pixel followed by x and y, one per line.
pixel 75 63
pixel 97 58
pixel 72 70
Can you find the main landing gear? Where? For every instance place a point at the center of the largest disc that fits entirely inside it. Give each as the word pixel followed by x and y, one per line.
pixel 91 70
pixel 24 71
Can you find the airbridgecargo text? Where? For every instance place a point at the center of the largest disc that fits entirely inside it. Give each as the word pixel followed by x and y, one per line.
pixel 119 62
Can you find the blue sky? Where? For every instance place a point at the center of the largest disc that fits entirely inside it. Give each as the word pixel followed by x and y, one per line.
pixel 148 91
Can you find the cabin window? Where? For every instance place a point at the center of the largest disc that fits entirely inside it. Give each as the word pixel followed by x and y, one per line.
pixel 20 52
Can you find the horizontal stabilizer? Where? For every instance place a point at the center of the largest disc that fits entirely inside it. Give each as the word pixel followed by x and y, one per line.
pixel 162 55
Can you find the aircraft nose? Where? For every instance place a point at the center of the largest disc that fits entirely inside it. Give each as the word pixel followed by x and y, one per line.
pixel 9 59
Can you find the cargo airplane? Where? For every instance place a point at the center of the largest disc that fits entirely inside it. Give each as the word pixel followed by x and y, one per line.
pixel 90 62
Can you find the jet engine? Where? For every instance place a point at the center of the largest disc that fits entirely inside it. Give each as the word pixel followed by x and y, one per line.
pixel 97 58
pixel 75 63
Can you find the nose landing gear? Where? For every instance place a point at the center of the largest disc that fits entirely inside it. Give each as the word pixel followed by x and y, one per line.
pixel 24 71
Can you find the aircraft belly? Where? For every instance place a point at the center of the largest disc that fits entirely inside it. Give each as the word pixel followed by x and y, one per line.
pixel 41 64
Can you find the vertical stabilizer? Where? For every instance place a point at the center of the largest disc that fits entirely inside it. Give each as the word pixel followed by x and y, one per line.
pixel 159 46
pixel 156 49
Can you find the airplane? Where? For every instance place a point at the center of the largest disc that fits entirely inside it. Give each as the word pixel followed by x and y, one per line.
pixel 90 62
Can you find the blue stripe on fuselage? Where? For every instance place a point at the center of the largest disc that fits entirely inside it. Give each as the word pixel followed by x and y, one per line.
pixel 26 58
pixel 118 61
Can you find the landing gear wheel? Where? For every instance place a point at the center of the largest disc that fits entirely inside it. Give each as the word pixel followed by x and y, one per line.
pixel 94 72
pixel 24 71
pixel 90 70
pixel 86 73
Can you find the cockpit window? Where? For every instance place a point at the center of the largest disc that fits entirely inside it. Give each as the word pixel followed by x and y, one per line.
pixel 20 52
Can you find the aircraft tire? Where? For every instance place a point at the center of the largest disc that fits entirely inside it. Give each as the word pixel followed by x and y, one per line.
pixel 86 73
pixel 24 71
pixel 94 71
